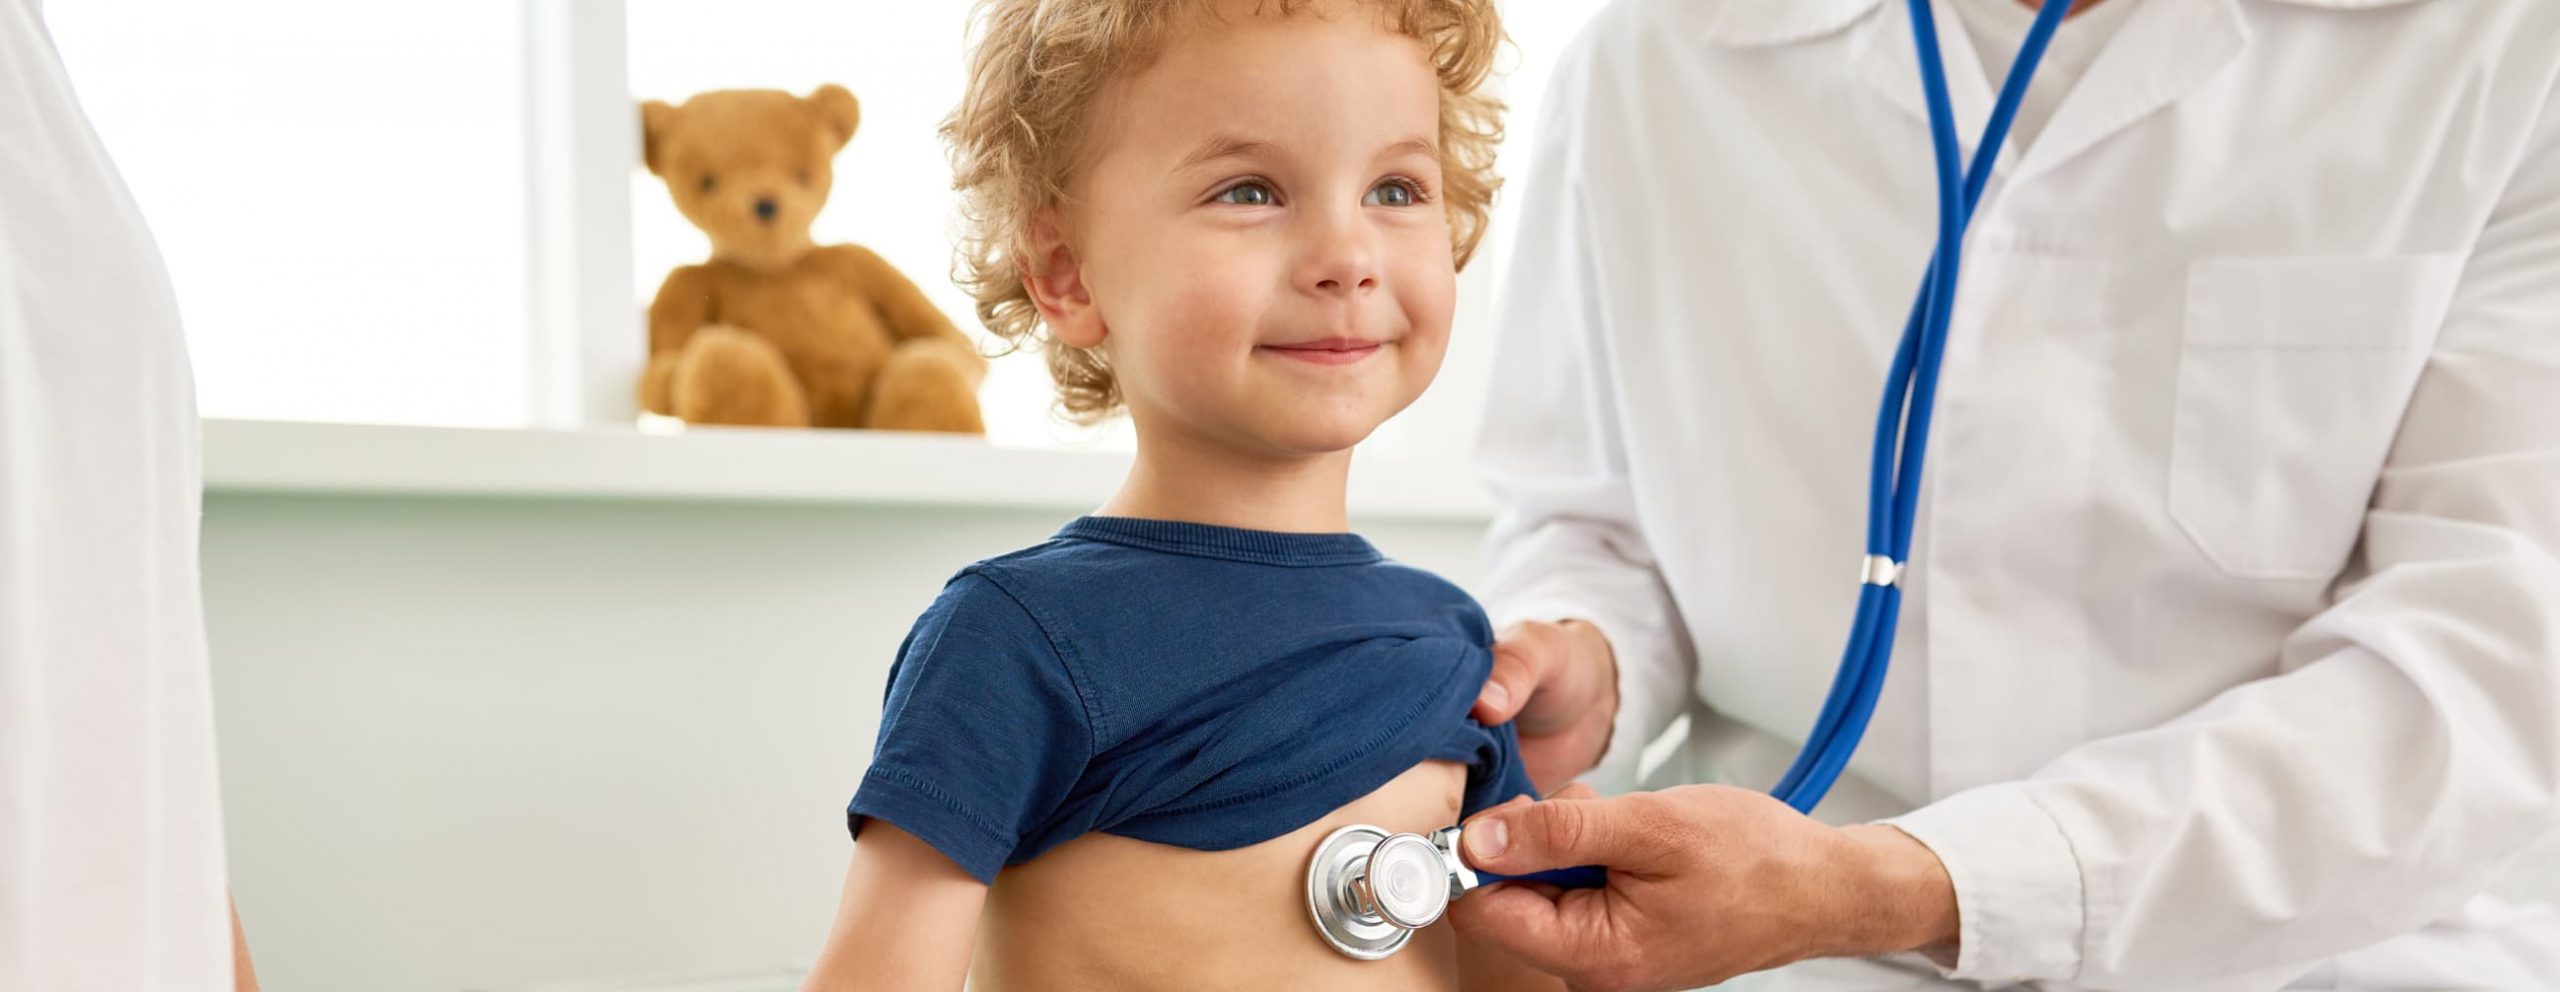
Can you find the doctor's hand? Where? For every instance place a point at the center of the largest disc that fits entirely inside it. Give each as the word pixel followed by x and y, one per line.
pixel 1559 683
pixel 1705 883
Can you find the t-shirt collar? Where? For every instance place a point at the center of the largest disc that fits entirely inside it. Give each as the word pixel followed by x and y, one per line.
pixel 1197 540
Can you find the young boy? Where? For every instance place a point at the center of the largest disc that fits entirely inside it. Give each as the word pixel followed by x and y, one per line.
pixel 1106 760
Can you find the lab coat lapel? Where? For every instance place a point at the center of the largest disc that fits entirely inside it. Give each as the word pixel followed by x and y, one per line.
pixel 2164 49
pixel 1891 67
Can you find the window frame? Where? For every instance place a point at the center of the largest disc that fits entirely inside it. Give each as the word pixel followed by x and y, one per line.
pixel 585 342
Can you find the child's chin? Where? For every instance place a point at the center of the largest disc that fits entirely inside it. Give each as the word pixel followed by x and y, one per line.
pixel 1321 437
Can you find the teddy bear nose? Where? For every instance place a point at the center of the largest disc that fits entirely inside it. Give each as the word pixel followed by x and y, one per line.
pixel 764 208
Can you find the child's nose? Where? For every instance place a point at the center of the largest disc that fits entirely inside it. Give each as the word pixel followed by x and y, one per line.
pixel 1341 262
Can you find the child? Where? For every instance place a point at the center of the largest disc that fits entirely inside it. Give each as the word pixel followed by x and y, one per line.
pixel 1106 760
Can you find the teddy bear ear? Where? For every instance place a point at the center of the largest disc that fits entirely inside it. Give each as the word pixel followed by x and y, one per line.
pixel 838 109
pixel 656 118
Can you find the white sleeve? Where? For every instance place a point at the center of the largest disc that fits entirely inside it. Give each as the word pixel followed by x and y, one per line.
pixel 1567 544
pixel 2411 748
pixel 111 848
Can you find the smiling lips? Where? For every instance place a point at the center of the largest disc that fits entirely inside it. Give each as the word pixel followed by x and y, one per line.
pixel 1330 351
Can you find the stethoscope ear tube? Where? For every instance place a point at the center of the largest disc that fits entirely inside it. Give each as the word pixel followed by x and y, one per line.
pixel 1902 421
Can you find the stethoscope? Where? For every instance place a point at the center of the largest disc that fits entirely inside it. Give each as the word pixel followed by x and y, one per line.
pixel 1369 889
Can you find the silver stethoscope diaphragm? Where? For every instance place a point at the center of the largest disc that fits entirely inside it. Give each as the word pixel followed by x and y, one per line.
pixel 1406 882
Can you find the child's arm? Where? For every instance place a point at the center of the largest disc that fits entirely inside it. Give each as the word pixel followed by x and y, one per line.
pixel 908 920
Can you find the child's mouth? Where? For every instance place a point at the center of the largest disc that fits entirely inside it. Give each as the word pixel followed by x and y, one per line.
pixel 1330 351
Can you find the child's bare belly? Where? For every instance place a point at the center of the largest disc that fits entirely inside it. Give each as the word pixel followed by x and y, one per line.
pixel 1105 912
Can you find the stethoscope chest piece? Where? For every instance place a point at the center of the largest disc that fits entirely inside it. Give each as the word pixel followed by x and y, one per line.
pixel 1368 890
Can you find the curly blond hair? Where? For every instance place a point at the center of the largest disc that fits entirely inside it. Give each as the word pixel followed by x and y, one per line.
pixel 1017 134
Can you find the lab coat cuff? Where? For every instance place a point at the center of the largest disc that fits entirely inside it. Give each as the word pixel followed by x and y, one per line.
pixel 2020 896
pixel 1652 689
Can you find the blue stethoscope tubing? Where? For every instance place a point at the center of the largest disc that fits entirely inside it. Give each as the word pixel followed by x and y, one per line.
pixel 1578 877
pixel 1902 422
pixel 1902 427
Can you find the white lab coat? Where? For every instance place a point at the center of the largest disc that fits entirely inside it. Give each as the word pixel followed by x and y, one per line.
pixel 111 872
pixel 2231 652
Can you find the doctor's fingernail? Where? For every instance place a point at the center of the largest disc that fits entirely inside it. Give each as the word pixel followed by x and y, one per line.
pixel 1494 695
pixel 1488 838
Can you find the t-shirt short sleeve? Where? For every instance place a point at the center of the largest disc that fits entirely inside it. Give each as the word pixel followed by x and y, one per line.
pixel 983 735
pixel 1494 773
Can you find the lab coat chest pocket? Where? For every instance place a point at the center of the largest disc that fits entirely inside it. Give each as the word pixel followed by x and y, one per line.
pixel 2292 375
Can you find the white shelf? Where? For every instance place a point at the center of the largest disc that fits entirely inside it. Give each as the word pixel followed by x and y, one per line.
pixel 716 464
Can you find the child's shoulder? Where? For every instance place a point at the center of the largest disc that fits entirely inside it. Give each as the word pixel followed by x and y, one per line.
pixel 1424 583
pixel 1058 568
pixel 1426 591
pixel 1042 585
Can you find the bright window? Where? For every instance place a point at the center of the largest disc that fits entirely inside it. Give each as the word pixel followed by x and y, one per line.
pixel 338 189
pixel 342 191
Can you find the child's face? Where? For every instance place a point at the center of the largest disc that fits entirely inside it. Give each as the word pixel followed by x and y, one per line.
pixel 1259 234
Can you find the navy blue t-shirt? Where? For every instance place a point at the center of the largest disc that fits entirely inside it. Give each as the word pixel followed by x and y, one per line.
pixel 1204 687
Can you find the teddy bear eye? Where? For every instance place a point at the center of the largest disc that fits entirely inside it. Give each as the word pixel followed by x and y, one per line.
pixel 709 181
pixel 804 177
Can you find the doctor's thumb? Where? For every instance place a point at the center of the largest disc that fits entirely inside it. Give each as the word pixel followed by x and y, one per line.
pixel 1557 833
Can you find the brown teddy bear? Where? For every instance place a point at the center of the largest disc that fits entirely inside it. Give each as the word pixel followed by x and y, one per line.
pixel 775 330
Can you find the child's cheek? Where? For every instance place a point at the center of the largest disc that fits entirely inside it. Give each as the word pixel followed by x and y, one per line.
pixel 1429 309
pixel 1432 302
pixel 1217 293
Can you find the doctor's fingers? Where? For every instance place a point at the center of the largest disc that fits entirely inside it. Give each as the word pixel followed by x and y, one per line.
pixel 1639 833
pixel 1575 935
pixel 1516 670
pixel 1542 676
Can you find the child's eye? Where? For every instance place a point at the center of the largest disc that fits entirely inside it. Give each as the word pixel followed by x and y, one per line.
pixel 1248 194
pixel 1396 192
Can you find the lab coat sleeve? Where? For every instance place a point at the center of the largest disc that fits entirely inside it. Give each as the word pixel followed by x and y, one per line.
pixel 2409 750
pixel 1566 544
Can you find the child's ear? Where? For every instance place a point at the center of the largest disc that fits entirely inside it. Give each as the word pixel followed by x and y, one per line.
pixel 1055 281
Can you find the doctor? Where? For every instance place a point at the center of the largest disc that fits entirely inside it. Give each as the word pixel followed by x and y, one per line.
pixel 2230 654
